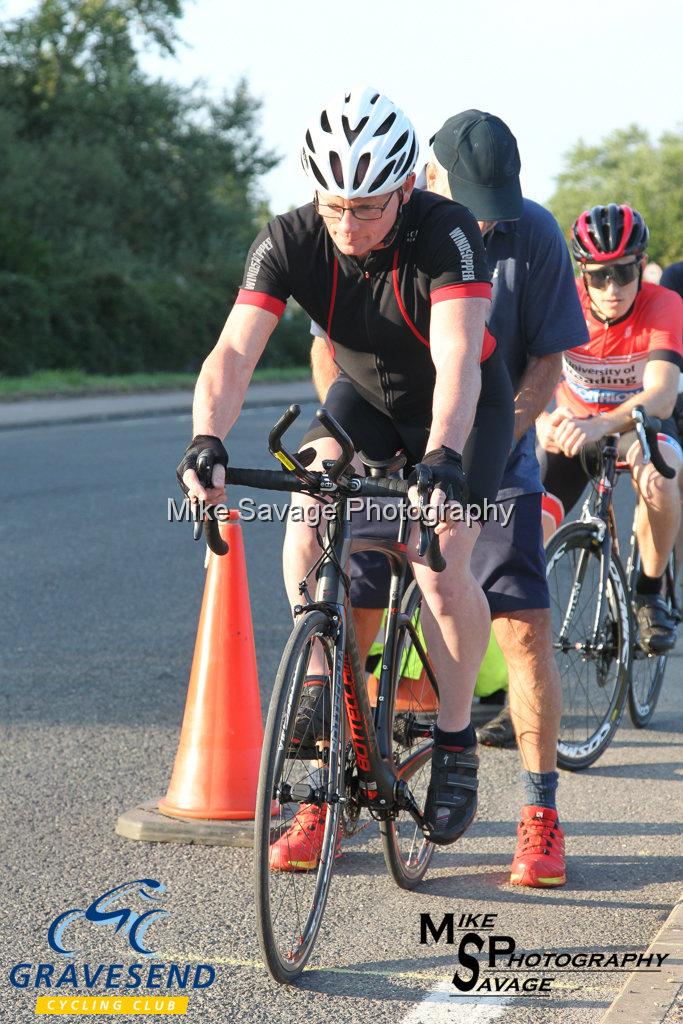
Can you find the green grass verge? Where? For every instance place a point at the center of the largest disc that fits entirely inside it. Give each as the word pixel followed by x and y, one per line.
pixel 55 383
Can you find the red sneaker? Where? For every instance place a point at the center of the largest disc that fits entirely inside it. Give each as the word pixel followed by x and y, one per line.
pixel 539 857
pixel 299 848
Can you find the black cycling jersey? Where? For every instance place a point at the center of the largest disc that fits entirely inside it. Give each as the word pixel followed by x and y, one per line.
pixel 376 309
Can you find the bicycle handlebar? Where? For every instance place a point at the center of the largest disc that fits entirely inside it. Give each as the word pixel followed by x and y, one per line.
pixel 274 480
pixel 647 429
pixel 333 481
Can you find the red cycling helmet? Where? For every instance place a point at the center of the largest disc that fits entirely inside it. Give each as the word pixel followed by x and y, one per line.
pixel 607 232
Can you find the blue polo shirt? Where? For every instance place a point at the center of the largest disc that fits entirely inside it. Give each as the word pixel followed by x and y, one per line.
pixel 535 311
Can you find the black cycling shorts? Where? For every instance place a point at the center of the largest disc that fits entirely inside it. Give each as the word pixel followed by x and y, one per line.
pixel 565 478
pixel 379 436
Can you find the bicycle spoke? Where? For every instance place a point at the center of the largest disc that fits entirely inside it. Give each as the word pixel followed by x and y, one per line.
pixel 590 665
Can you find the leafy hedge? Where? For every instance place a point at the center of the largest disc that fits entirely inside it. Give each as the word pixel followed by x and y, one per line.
pixel 127 205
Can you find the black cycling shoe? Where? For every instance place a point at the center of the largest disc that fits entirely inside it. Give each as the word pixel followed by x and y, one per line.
pixel 499 731
pixel 452 795
pixel 656 627
pixel 312 723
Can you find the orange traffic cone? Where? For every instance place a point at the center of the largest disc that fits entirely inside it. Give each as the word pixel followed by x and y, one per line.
pixel 216 767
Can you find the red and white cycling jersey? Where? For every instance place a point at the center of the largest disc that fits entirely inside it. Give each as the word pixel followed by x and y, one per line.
pixel 609 369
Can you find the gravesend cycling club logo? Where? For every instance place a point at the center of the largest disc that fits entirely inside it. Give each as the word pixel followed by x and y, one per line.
pixel 488 963
pixel 124 915
pixel 103 911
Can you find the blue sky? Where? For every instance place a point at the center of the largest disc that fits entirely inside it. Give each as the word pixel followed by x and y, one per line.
pixel 554 71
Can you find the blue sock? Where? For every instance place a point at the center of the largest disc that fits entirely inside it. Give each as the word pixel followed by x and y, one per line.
pixel 540 788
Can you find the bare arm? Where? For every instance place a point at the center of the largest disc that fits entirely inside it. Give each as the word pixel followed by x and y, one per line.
pixel 535 390
pixel 222 384
pixel 660 387
pixel 456 334
pixel 323 367
pixel 228 368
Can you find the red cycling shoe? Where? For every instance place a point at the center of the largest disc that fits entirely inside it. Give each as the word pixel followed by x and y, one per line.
pixel 299 848
pixel 539 857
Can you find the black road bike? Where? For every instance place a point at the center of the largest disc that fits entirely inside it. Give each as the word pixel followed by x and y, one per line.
pixel 340 755
pixel 595 636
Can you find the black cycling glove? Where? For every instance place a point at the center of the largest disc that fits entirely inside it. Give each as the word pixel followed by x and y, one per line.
pixel 213 454
pixel 447 473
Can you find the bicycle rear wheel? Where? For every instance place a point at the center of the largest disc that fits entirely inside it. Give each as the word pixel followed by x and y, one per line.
pixel 647 670
pixel 594 670
pixel 291 807
pixel 414 708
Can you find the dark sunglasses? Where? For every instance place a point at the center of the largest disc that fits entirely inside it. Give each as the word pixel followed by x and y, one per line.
pixel 620 273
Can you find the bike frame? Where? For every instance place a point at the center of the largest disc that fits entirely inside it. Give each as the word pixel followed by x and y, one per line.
pixel 380 788
pixel 597 512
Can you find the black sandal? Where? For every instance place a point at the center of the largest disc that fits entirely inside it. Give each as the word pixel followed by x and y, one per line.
pixel 452 795
pixel 656 627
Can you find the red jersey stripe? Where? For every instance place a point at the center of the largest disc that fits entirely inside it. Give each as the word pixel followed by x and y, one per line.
pixel 466 290
pixel 245 297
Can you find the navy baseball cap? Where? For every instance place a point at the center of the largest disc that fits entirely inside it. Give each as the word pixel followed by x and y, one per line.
pixel 480 154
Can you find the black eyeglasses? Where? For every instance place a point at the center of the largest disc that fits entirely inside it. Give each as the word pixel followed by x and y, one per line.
pixel 620 273
pixel 331 211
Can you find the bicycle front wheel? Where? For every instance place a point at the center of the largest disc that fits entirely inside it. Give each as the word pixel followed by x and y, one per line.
pixel 647 670
pixel 594 664
pixel 296 828
pixel 414 709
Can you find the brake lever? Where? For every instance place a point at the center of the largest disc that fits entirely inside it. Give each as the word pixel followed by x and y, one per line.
pixel 639 420
pixel 208 526
pixel 428 545
pixel 647 428
pixel 424 483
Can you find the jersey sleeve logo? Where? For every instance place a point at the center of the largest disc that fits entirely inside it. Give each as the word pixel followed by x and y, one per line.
pixel 255 263
pixel 466 253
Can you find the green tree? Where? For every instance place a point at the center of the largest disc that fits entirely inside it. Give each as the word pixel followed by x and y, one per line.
pixel 628 167
pixel 126 204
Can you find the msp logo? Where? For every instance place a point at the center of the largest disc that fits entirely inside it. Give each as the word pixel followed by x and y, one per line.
pixel 104 911
pixel 489 964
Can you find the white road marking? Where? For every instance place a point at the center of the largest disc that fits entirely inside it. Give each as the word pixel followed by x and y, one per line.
pixel 440 1007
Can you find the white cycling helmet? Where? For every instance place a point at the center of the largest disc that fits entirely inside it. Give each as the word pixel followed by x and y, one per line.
pixel 360 144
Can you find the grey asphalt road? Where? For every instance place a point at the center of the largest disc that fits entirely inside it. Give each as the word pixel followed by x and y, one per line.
pixel 100 604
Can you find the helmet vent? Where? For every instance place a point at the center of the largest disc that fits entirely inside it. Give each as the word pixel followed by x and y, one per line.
pixel 353 133
pixel 385 125
pixel 319 178
pixel 375 98
pixel 382 177
pixel 398 145
pixel 309 142
pixel 325 122
pixel 412 153
pixel 336 165
pixel 361 170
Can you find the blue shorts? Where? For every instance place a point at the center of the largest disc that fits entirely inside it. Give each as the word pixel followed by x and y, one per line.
pixel 508 561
